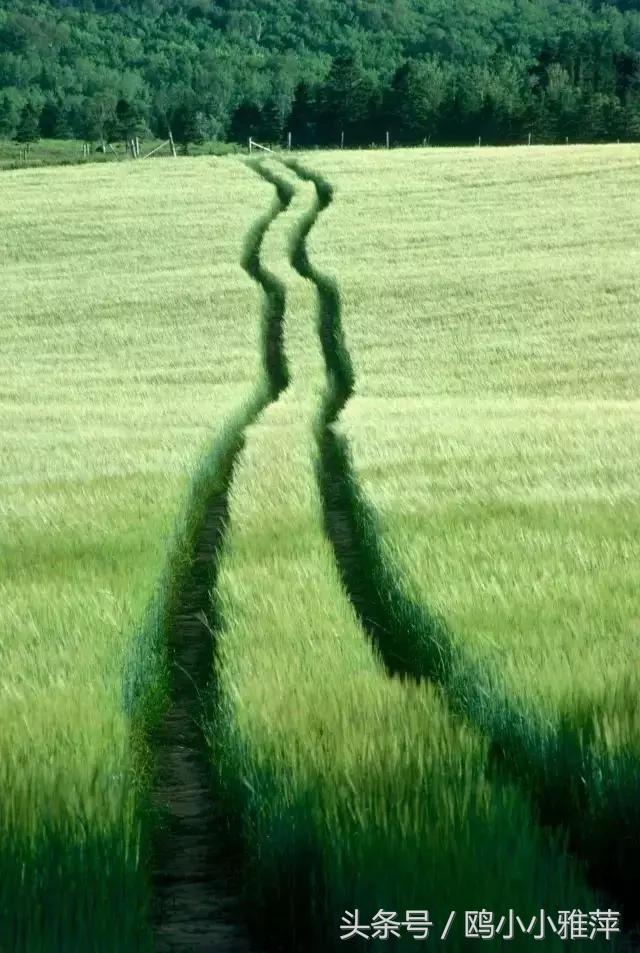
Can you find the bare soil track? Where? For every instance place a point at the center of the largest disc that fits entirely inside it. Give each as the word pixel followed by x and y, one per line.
pixel 197 893
pixel 197 905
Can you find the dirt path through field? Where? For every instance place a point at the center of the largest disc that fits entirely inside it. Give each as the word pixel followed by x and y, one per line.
pixel 198 904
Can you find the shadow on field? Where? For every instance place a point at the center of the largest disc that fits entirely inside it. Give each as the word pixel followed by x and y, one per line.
pixel 598 817
pixel 198 903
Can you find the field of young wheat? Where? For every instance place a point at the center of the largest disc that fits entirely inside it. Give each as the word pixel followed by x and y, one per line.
pixel 495 436
pixel 319 523
pixel 129 337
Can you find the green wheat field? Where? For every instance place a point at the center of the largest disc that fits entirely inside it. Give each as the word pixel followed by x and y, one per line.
pixel 411 381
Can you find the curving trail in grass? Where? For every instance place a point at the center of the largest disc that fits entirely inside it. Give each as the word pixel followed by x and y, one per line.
pixel 348 789
pixel 196 899
pixel 274 356
pixel 383 610
pixel 415 644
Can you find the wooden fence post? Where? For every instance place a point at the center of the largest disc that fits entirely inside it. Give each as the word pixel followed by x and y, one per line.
pixel 387 138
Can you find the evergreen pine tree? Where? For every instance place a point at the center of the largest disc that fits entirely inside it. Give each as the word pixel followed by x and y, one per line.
pixel 129 120
pixel 186 125
pixel 301 121
pixel 344 102
pixel 272 121
pixel 49 118
pixel 28 128
pixel 246 121
pixel 415 100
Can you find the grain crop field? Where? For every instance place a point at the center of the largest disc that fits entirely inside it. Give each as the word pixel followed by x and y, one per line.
pixel 336 457
pixel 359 789
pixel 129 334
pixel 490 305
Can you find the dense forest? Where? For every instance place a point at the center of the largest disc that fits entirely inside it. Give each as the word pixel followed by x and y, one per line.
pixel 439 71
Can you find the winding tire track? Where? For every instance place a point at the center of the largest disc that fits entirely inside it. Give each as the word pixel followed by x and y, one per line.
pixel 197 905
pixel 382 608
pixel 416 644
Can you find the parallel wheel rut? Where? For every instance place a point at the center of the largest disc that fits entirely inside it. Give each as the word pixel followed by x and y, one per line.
pixel 197 894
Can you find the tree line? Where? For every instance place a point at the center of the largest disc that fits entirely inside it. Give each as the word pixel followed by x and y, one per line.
pixel 326 71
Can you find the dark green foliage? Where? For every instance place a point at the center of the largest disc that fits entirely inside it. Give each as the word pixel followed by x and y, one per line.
pixel 128 120
pixel 245 123
pixel 28 128
pixel 345 102
pixel 98 121
pixel 187 124
pixel 273 119
pixel 49 118
pixel 320 68
pixel 301 123
pixel 7 116
pixel 414 103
